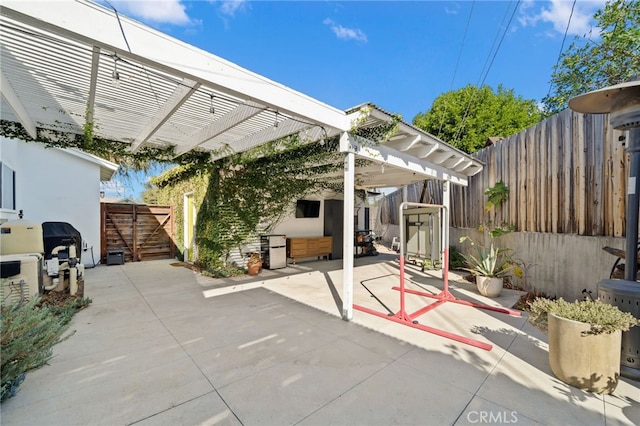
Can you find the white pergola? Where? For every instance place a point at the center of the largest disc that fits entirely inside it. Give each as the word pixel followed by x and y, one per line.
pixel 70 66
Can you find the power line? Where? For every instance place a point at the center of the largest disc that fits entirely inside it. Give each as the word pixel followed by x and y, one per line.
pixel 455 71
pixel 566 31
pixel 488 67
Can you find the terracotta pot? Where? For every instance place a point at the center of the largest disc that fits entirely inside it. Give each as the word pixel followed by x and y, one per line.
pixel 585 361
pixel 254 268
pixel 489 286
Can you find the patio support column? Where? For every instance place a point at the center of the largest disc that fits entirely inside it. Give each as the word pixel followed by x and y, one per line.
pixel 348 227
pixel 446 202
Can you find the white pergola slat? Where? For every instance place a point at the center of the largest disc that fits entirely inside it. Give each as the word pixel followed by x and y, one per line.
pixel 67 54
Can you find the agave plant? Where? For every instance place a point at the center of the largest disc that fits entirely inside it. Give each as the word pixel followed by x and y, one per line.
pixel 492 262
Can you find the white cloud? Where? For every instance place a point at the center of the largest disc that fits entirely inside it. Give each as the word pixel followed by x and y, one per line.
pixel 346 33
pixel 157 11
pixel 452 8
pixel 230 7
pixel 557 13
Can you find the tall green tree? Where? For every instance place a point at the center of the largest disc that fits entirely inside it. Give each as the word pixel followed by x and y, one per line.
pixel 467 117
pixel 608 55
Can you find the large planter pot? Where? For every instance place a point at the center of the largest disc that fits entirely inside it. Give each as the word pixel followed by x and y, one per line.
pixel 254 268
pixel 585 361
pixel 489 286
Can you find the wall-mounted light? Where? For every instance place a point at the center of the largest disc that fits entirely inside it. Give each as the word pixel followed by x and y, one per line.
pixel 212 110
pixel 324 136
pixel 275 123
pixel 115 75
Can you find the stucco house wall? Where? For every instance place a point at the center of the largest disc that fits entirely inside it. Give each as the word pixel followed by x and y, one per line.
pixel 60 185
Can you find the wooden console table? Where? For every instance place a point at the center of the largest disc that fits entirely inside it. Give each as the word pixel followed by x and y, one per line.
pixel 300 247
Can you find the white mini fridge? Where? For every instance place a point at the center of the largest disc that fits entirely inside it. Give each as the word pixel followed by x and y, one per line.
pixel 274 251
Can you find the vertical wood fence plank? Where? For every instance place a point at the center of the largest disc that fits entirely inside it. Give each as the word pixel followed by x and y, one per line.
pixel 522 182
pixel 530 181
pixel 608 179
pixel 567 168
pixel 580 187
pixel 512 142
pixel 596 180
pixel 556 155
pixel 541 178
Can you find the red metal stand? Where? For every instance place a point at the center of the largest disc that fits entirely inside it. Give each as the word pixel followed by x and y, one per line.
pixel 402 317
pixel 446 296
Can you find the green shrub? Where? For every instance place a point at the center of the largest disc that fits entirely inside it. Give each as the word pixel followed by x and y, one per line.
pixel 27 336
pixel 456 259
pixel 602 317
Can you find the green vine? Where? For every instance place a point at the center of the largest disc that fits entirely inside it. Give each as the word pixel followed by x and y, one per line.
pixel 248 192
pixel 87 129
pixel 112 150
pixel 377 134
pixel 237 196
pixel 497 194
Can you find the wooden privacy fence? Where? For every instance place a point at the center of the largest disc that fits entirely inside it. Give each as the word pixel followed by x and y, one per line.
pixel 566 175
pixel 142 232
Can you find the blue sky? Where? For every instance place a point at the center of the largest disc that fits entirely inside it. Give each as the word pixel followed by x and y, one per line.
pixel 399 55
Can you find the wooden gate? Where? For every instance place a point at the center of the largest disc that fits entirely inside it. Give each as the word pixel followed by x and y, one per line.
pixel 142 232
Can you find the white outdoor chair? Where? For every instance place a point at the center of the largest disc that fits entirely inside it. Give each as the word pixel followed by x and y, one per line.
pixel 395 244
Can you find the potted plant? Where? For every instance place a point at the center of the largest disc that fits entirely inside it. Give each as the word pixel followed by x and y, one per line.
pixel 585 339
pixel 428 264
pixel 254 263
pixel 489 267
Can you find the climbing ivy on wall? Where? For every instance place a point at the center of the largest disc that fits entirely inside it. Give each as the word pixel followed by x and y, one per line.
pixel 238 195
pixel 250 192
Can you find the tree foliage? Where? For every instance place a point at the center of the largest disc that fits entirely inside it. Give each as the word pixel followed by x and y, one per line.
pixel 595 61
pixel 467 117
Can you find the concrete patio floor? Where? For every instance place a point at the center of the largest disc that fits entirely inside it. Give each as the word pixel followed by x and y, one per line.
pixel 162 345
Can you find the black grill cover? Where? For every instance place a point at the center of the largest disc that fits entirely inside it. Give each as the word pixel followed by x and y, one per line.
pixel 57 234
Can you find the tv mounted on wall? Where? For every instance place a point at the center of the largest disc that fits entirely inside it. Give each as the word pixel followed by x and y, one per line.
pixel 307 208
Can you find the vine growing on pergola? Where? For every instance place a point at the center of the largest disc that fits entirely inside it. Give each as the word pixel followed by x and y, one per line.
pixel 236 196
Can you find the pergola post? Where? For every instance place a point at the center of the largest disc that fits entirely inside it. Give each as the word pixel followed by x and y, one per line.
pixel 446 202
pixel 348 229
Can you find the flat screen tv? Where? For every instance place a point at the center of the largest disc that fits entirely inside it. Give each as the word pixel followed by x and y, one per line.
pixel 307 208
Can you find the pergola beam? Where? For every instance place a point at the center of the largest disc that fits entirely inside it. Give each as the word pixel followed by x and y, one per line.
pixel 236 116
pixel 404 161
pixel 284 129
pixel 11 97
pixel 93 84
pixel 183 91
pixel 406 143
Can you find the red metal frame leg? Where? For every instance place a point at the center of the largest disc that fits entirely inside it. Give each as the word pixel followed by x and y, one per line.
pixel 450 298
pixel 442 333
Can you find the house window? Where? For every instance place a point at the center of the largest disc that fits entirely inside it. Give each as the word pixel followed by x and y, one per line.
pixel 7 187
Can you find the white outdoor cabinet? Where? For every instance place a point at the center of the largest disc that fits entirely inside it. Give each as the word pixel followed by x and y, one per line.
pixel 423 234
